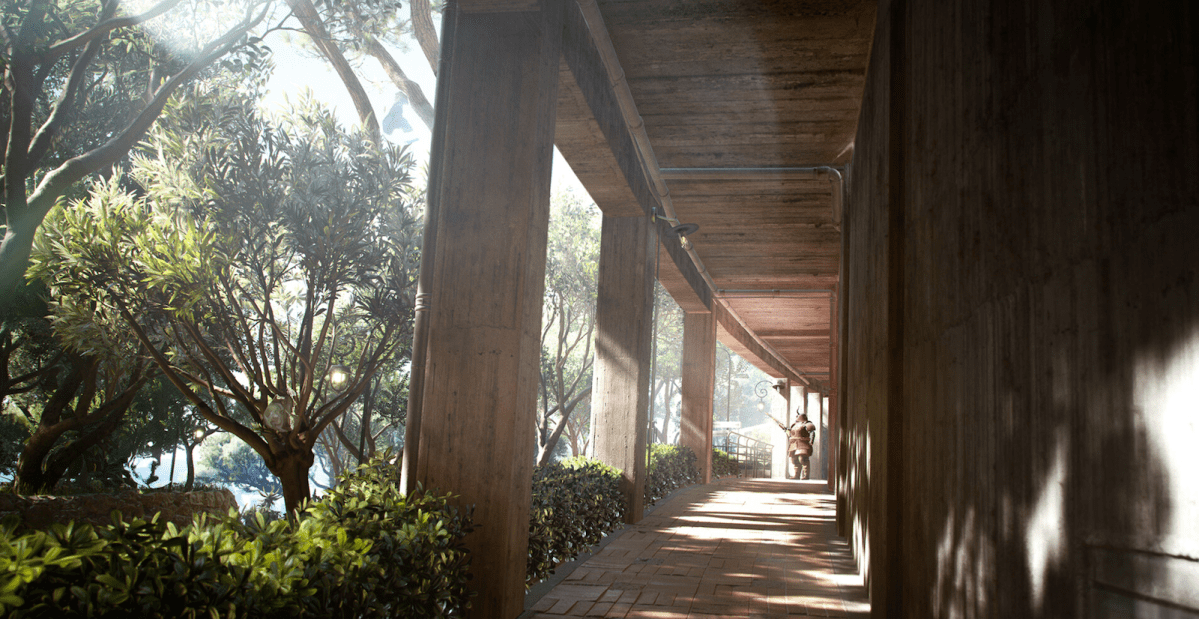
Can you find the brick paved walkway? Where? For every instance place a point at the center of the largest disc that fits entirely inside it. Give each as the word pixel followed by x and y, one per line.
pixel 735 548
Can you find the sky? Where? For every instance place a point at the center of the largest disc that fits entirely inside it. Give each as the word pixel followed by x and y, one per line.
pixel 296 70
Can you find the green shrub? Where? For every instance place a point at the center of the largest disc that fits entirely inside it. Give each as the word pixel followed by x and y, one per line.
pixel 363 551
pixel 670 467
pixel 574 503
pixel 723 465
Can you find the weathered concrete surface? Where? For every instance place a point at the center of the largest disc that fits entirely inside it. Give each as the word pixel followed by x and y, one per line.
pixel 623 332
pixel 1022 345
pixel 698 382
pixel 96 509
pixel 485 295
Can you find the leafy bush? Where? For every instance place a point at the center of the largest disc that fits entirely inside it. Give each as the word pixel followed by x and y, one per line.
pixel 575 502
pixel 670 467
pixel 363 551
pixel 723 465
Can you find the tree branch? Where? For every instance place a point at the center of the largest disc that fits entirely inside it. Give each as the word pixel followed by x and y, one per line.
pixel 107 24
pixel 425 33
pixel 416 96
pixel 58 180
pixel 247 435
pixel 306 13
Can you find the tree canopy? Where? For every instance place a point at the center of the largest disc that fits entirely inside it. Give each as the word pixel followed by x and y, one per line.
pixel 252 258
pixel 568 319
pixel 82 82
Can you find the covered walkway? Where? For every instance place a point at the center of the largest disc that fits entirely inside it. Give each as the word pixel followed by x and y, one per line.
pixel 734 548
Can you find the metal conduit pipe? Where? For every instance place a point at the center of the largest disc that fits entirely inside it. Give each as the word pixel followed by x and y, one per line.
pixel 770 292
pixel 636 126
pixel 742 174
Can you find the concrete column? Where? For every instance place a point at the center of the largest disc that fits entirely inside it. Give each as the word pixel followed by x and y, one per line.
pixel 624 328
pixel 496 116
pixel 780 403
pixel 794 408
pixel 822 439
pixel 699 380
pixel 834 388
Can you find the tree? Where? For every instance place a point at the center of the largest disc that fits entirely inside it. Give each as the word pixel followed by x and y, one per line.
pixel 230 462
pixel 732 373
pixel 568 318
pixel 376 419
pixel 63 62
pixel 313 24
pixel 367 28
pixel 666 385
pixel 63 401
pixel 258 247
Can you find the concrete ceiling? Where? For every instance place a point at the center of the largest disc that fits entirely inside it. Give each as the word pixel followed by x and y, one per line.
pixel 741 100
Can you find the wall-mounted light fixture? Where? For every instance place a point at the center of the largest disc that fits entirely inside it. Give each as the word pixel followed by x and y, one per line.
pixel 682 230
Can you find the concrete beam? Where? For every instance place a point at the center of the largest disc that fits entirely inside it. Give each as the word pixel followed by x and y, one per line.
pixel 698 382
pixel 593 135
pixel 623 334
pixel 485 294
pixel 737 338
pixel 686 286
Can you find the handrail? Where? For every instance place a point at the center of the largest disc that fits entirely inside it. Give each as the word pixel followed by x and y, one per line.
pixel 753 457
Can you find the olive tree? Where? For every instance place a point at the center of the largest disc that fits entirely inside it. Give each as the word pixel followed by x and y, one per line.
pixel 246 254
pixel 82 82
pixel 568 319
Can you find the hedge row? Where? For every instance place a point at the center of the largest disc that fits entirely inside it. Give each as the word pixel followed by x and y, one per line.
pixel 723 465
pixel 362 551
pixel 575 502
pixel 670 467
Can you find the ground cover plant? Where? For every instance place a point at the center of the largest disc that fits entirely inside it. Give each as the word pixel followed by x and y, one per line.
pixel 575 503
pixel 670 467
pixel 362 551
pixel 723 465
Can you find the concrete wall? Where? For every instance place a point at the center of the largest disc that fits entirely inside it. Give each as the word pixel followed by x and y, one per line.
pixel 1021 371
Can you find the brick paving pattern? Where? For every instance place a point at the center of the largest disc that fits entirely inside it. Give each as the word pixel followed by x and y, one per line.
pixel 736 548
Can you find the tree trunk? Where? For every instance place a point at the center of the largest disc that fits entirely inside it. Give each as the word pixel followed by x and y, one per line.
pixel 31 478
pixel 312 24
pixel 416 96
pixel 425 33
pixel 191 468
pixel 291 468
pixel 14 257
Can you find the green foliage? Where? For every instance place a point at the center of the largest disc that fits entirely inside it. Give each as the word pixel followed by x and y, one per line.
pixel 364 551
pixel 575 502
pixel 670 467
pixel 227 461
pixel 256 255
pixel 568 323
pixel 723 465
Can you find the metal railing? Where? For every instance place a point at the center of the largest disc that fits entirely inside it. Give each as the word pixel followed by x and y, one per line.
pixel 753 457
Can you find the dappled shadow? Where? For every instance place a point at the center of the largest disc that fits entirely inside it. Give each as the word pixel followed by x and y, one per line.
pixel 734 549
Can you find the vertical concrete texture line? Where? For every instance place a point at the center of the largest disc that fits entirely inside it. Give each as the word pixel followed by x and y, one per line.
pixel 486 289
pixel 420 323
pixel 843 292
pixel 892 566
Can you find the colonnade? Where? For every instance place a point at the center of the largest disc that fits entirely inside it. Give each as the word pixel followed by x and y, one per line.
pixel 483 281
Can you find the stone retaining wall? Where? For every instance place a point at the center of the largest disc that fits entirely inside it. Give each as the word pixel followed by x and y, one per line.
pixel 176 507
